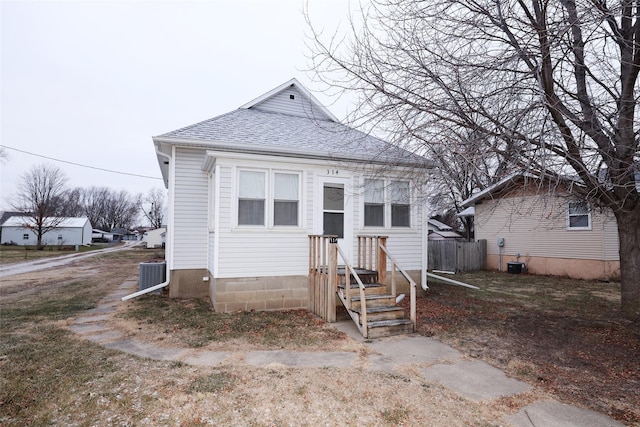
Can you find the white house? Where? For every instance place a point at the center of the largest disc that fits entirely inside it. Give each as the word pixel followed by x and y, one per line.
pixel 155 238
pixel 68 231
pixel 543 225
pixel 247 188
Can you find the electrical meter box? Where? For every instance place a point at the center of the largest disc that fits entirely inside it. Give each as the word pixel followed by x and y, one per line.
pixel 501 242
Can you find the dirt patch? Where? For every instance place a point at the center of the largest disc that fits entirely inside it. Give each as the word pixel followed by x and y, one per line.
pixel 564 336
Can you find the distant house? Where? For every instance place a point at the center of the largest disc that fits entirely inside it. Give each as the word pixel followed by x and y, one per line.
pixel 441 231
pixel 5 215
pixel 155 238
pixel 101 236
pixel 122 234
pixel 543 225
pixel 248 188
pixel 68 231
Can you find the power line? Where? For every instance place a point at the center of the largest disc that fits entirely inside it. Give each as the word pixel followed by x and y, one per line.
pixel 78 164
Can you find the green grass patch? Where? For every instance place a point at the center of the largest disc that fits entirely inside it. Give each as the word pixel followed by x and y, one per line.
pixel 196 324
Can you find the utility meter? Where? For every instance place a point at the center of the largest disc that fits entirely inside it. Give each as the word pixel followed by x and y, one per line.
pixel 501 242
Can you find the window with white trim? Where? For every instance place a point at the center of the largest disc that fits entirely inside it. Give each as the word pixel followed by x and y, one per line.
pixel 286 195
pixel 268 198
pixel 374 203
pixel 400 196
pixel 251 197
pixel 387 203
pixel 578 216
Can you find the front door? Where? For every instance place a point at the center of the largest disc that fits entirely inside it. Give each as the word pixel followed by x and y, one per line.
pixel 334 209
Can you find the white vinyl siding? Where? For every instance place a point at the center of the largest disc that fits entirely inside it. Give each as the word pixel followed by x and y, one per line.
pixel 298 106
pixel 536 226
pixel 190 222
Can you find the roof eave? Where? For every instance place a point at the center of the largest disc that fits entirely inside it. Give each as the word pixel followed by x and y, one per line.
pixel 282 152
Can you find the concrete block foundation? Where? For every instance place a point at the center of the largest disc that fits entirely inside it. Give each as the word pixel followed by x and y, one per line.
pixel 189 283
pixel 259 293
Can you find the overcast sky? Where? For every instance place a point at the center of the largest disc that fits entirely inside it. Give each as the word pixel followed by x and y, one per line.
pixel 91 82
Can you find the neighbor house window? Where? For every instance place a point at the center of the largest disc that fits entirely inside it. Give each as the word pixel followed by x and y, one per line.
pixel 59 236
pixel 285 199
pixel 251 198
pixel 374 203
pixel 400 197
pixel 579 215
pixel 25 236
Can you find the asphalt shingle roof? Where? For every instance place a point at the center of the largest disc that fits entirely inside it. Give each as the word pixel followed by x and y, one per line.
pixel 284 133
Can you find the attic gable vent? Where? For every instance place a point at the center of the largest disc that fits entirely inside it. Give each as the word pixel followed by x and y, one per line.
pixel 292 96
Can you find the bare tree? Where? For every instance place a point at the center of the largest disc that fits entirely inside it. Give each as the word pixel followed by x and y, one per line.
pixel 120 210
pixel 39 194
pixel 550 84
pixel 152 207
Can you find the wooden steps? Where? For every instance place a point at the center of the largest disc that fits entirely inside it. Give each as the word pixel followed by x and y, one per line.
pixel 384 316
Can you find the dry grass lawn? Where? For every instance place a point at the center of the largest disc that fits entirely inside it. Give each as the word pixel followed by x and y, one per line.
pixel 51 376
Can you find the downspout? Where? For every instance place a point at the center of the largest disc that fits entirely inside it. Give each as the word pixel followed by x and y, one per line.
pixel 425 257
pixel 425 245
pixel 168 269
pixel 152 288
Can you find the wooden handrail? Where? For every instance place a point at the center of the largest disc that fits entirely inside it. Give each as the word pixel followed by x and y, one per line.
pixel 348 269
pixel 366 244
pixel 412 284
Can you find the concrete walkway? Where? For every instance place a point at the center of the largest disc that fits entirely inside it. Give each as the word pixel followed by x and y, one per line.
pixel 471 379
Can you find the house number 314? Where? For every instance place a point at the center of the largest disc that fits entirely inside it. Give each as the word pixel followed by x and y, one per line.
pixel 332 171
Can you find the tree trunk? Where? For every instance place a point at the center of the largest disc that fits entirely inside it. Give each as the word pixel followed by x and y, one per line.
pixel 629 236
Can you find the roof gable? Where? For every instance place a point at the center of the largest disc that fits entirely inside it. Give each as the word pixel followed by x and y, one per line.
pixel 291 98
pixel 263 126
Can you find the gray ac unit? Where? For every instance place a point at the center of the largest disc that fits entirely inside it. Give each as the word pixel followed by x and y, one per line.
pixel 151 274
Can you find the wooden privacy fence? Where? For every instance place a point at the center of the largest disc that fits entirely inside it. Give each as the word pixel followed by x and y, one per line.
pixel 457 256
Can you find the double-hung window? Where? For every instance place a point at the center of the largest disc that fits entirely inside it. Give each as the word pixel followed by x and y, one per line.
pixel 285 199
pixel 374 203
pixel 387 203
pixel 267 198
pixel 579 216
pixel 400 196
pixel 251 198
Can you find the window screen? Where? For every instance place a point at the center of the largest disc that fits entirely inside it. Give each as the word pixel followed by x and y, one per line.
pixel 285 203
pixel 251 198
pixel 579 216
pixel 374 203
pixel 400 204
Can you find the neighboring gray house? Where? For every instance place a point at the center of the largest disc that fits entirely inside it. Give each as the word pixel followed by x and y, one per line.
pixel 247 188
pixel 68 231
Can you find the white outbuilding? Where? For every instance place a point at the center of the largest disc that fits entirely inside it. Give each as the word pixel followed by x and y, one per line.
pixel 68 231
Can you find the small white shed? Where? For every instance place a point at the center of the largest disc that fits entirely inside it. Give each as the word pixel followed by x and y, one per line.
pixel 155 238
pixel 68 231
